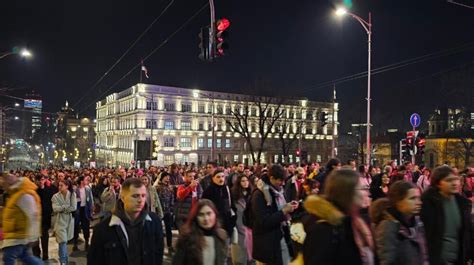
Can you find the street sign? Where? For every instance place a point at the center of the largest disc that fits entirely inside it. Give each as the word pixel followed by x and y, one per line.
pixel 415 120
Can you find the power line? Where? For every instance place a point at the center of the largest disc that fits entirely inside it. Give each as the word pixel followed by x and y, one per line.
pixel 125 53
pixel 146 57
pixel 397 65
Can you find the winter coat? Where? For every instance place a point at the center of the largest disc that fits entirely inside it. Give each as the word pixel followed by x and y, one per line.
pixel 432 215
pixel 109 243
pixel 63 207
pixel 293 189
pixel 267 230
pixel 399 242
pixel 109 198
pixel 375 189
pixel 329 236
pixel 188 252
pixel 154 201
pixel 46 194
pixel 239 250
pixel 221 197
pixel 89 203
pixel 167 198
pixel 186 200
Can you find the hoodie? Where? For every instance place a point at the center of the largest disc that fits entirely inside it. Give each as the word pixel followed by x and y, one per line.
pixel 134 231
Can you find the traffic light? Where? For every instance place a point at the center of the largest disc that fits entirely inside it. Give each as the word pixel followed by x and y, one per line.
pixel 204 43
pixel 324 118
pixel 410 143
pixel 298 152
pixel 405 150
pixel 221 44
pixel 420 144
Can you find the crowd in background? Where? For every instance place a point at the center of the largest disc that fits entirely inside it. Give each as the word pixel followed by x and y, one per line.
pixel 262 214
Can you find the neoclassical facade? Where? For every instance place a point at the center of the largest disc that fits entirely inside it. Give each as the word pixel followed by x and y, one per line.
pixel 179 120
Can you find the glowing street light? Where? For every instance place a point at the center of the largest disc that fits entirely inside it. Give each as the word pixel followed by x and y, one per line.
pixel 25 53
pixel 341 12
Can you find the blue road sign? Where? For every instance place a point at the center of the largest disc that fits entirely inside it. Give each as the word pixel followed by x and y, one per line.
pixel 415 120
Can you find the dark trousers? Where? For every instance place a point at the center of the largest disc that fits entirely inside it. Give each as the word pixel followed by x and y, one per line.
pixel 168 219
pixel 44 244
pixel 82 223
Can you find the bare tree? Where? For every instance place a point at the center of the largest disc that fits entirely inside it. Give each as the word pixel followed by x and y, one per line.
pixel 254 118
pixel 287 139
pixel 464 133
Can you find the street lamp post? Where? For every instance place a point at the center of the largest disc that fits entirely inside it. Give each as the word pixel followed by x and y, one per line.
pixel 367 25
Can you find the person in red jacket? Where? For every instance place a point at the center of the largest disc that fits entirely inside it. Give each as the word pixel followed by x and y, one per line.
pixel 188 194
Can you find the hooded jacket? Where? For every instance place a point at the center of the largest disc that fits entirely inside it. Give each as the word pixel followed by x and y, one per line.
pixel 115 240
pixel 329 236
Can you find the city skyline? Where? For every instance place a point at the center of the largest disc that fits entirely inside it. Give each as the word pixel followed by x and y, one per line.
pixel 298 56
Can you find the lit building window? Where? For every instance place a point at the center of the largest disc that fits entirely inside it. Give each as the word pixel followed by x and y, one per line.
pixel 227 143
pixel 209 143
pixel 168 142
pixel 200 143
pixel 169 125
pixel 218 143
pixel 185 125
pixel 185 142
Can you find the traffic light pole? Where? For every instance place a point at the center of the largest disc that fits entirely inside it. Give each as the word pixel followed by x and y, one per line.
pixel 213 30
pixel 414 147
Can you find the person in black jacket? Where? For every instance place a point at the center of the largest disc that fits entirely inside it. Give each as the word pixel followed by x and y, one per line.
pixel 447 219
pixel 332 164
pixel 380 185
pixel 132 235
pixel 334 234
pixel 220 195
pixel 46 194
pixel 270 214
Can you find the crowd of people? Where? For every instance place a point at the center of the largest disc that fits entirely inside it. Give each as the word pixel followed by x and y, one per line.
pixel 263 214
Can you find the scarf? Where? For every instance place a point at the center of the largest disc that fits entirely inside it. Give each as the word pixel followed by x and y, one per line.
pixel 363 239
pixel 280 200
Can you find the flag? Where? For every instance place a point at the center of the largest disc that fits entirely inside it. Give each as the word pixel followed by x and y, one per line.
pixel 145 70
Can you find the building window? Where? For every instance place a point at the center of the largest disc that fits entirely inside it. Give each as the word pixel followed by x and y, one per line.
pixel 318 158
pixel 170 107
pixel 200 143
pixel 186 108
pixel 151 124
pixel 185 125
pixel 168 142
pixel 151 105
pixel 169 159
pixel 201 108
pixel 309 131
pixel 236 158
pixel 227 143
pixel 219 109
pixel 201 126
pixel 228 110
pixel 169 125
pixel 209 143
pixel 185 142
pixel 218 143
pixel 219 126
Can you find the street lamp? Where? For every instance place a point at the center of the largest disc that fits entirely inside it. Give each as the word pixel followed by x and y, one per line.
pixel 367 25
pixel 23 53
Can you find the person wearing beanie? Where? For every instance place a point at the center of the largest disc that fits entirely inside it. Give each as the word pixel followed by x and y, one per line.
pixel 447 219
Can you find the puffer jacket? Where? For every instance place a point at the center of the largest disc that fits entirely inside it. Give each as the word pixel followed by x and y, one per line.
pixel 328 234
pixel 398 241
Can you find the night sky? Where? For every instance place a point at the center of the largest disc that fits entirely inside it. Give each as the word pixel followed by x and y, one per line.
pixel 293 45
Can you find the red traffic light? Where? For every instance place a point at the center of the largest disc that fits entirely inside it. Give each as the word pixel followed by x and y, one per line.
pixel 223 24
pixel 298 152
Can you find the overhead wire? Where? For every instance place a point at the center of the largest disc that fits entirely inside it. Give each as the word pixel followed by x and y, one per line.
pixel 124 54
pixel 146 57
pixel 397 65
